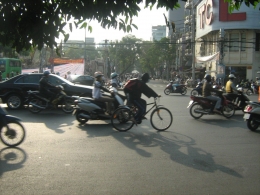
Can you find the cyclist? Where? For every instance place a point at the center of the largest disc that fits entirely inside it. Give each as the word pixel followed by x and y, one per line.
pixel 134 89
pixel 96 93
pixel 45 87
pixel 206 92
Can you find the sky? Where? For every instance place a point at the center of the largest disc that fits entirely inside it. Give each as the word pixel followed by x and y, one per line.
pixel 145 20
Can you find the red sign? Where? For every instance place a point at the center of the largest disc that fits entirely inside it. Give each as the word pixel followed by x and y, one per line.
pixel 66 61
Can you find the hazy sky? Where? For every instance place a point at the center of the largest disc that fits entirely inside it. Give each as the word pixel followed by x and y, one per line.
pixel 146 19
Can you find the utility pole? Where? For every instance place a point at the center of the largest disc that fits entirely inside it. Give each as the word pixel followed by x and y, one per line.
pixel 85 53
pixel 193 42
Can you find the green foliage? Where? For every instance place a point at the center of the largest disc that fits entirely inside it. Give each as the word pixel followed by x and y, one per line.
pixel 236 4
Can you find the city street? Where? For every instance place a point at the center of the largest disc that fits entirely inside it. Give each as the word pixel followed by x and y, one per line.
pixel 212 155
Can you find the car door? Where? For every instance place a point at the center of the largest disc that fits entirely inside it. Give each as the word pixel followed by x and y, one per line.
pixel 28 82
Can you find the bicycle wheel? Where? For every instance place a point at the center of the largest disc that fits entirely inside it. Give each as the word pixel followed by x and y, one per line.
pixel 121 119
pixel 13 134
pixel 161 119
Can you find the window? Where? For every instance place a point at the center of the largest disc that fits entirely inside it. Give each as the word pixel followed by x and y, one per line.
pixel 29 79
pixel 54 80
pixel 257 42
pixel 234 42
pixel 243 42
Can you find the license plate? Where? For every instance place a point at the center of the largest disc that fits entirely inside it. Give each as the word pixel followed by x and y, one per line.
pixel 246 116
pixel 190 103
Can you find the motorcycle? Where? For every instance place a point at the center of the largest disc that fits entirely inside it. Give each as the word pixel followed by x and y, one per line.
pixel 200 106
pixel 12 132
pixel 198 90
pixel 252 115
pixel 239 100
pixel 90 109
pixel 179 88
pixel 37 103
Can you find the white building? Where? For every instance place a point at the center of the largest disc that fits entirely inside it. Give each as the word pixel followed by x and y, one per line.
pixel 158 32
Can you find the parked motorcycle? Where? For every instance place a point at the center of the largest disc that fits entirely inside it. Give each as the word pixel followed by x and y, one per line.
pixel 239 100
pixel 200 106
pixel 198 90
pixel 252 115
pixel 178 88
pixel 90 109
pixel 12 132
pixel 37 103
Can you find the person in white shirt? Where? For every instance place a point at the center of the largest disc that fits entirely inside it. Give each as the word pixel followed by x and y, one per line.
pixel 69 76
pixel 96 93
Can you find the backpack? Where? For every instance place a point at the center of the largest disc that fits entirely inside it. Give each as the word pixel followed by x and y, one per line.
pixel 131 85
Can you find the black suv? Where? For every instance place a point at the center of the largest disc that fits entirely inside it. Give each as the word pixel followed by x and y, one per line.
pixel 13 92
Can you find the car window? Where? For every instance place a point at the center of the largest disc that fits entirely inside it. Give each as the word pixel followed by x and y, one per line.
pixel 29 79
pixel 55 80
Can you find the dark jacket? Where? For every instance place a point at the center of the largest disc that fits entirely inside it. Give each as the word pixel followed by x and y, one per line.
pixel 207 89
pixel 45 85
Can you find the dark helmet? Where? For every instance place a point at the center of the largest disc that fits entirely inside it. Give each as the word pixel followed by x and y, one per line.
pixel 46 73
pixel 145 77
pixel 207 77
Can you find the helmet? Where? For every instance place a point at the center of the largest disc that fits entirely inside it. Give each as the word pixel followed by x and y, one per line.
pixel 113 75
pixel 207 77
pixel 231 76
pixel 145 77
pixel 46 73
pixel 97 74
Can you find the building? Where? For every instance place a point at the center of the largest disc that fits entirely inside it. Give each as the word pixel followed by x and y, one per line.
pixel 158 32
pixel 78 43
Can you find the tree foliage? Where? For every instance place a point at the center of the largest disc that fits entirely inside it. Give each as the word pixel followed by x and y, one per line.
pixel 26 23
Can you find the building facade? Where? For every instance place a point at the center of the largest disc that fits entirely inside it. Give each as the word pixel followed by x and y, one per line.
pixel 158 32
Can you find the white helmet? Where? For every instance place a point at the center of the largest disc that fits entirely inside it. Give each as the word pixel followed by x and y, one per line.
pixel 97 74
pixel 113 75
pixel 231 76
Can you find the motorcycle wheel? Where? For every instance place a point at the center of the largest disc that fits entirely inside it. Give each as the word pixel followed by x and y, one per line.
pixel 12 134
pixel 35 109
pixel 80 119
pixel 228 111
pixel 252 125
pixel 183 91
pixel 167 91
pixel 194 92
pixel 249 92
pixel 67 106
pixel 196 106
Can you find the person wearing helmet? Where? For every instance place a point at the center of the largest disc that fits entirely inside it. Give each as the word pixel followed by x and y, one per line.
pixel 45 87
pixel 134 88
pixel 206 92
pixel 230 86
pixel 176 82
pixel 96 93
pixel 114 79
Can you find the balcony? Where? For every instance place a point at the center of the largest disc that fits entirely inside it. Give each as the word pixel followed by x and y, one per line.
pixel 188 4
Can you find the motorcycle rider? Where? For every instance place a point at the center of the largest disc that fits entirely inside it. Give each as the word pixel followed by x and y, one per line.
pixel 96 93
pixel 231 89
pixel 206 92
pixel 134 89
pixel 176 82
pixel 45 87
pixel 114 80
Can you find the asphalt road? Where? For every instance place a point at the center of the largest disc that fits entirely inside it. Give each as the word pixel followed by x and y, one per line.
pixel 212 155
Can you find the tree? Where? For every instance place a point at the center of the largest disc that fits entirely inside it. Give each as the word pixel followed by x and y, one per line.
pixel 26 23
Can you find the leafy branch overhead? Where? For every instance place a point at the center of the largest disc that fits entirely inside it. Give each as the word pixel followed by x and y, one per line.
pixel 26 23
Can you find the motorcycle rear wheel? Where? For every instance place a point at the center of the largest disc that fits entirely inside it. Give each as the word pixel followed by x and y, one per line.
pixel 228 111
pixel 196 106
pixel 249 92
pixel 79 118
pixel 194 92
pixel 167 91
pixel 12 134
pixel 252 125
pixel 35 109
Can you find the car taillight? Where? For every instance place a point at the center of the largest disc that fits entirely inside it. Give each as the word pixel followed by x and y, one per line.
pixel 248 108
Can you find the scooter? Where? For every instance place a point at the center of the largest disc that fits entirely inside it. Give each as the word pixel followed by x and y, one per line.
pixel 200 106
pixel 12 132
pixel 37 103
pixel 90 109
pixel 252 115
pixel 198 90
pixel 178 88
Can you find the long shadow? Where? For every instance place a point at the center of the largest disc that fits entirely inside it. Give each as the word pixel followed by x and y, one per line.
pixel 11 159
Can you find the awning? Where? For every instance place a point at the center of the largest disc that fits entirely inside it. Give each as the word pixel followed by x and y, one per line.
pixel 213 57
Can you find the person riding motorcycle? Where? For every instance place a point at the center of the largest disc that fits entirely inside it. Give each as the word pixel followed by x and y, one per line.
pixel 231 89
pixel 134 89
pixel 96 93
pixel 206 92
pixel 176 82
pixel 114 79
pixel 45 87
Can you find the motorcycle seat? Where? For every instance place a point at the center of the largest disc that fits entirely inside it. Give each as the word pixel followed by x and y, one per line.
pixel 204 98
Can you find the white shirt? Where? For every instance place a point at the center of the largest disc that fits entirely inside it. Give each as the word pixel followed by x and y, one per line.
pixel 96 91
pixel 69 78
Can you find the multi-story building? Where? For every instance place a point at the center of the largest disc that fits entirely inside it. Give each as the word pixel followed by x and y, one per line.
pixel 158 32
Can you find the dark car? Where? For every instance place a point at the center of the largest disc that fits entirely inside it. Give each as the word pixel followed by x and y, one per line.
pixel 82 79
pixel 13 92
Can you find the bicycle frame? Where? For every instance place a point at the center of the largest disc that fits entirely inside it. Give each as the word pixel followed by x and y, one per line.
pixel 154 105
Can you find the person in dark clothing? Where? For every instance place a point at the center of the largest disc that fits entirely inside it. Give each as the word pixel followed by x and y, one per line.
pixel 134 89
pixel 206 92
pixel 45 87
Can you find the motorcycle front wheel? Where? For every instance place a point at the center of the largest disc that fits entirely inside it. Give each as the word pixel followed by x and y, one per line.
pixel 35 109
pixel 252 125
pixel 249 92
pixel 183 91
pixel 81 119
pixel 12 134
pixel 194 92
pixel 67 106
pixel 194 110
pixel 167 91
pixel 228 110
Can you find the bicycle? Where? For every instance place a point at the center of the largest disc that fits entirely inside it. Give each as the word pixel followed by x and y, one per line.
pixel 123 118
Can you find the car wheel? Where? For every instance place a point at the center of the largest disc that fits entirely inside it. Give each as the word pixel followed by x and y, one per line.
pixel 14 101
